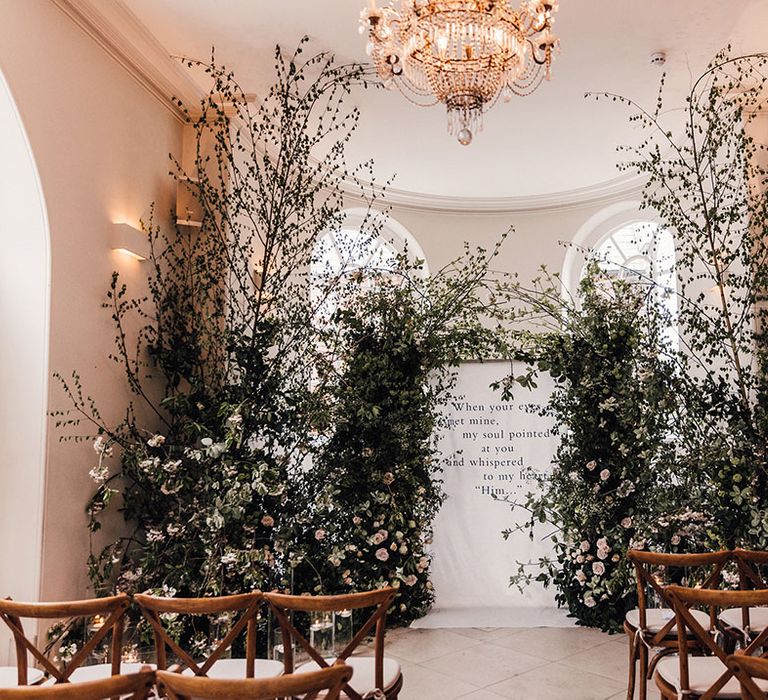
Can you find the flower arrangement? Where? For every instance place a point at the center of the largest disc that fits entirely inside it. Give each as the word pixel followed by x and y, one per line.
pixel 666 449
pixel 613 401
pixel 376 472
pixel 268 449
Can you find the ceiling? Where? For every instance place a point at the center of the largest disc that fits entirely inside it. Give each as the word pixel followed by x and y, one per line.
pixel 552 142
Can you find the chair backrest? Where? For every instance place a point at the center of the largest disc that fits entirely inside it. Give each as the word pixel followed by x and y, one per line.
pixel 283 605
pixel 329 681
pixel 746 669
pixel 247 604
pixel 708 565
pixel 684 600
pixel 753 569
pixel 107 615
pixel 136 686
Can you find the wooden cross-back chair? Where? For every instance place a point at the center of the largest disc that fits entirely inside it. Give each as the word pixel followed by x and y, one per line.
pixel 136 686
pixel 308 686
pixel 704 676
pixel 248 606
pixel 742 623
pixel 111 610
pixel 750 670
pixel 370 674
pixel 652 631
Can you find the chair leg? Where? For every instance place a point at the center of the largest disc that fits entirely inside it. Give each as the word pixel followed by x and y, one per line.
pixel 632 667
pixel 643 674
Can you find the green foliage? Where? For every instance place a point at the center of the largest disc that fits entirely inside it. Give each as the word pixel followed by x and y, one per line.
pixel 261 427
pixel 613 403
pixel 620 402
pixel 708 186
pixel 376 469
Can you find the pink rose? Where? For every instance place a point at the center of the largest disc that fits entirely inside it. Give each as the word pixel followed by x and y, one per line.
pixel 379 537
pixel 320 534
pixel 598 568
pixel 382 554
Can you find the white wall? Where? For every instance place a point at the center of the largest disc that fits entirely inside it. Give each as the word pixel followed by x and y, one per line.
pixel 101 142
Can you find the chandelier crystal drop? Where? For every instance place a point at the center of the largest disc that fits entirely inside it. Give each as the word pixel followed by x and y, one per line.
pixel 463 53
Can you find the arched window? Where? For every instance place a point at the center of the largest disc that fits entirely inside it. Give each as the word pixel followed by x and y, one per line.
pixel 351 248
pixel 643 252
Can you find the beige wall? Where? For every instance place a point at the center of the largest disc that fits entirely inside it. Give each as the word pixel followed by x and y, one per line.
pixel 540 237
pixel 101 142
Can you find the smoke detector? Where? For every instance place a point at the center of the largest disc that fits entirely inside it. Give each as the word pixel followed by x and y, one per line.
pixel 659 58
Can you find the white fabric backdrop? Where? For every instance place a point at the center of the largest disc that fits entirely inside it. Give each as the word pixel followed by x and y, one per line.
pixel 490 448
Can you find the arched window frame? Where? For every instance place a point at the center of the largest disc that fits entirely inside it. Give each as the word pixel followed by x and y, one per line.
pixel 601 228
pixel 393 239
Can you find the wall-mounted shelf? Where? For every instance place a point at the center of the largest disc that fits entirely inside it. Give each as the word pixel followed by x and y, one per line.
pixel 188 223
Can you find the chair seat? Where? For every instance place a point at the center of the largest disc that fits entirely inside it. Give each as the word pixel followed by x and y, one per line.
pixel 98 672
pixel 656 618
pixel 703 671
pixel 9 676
pixel 234 669
pixel 363 672
pixel 758 618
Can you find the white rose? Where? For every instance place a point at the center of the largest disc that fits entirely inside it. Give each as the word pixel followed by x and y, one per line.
pixel 589 601
pixel 584 546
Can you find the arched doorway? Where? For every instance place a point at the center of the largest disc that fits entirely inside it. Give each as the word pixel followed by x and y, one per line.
pixel 24 312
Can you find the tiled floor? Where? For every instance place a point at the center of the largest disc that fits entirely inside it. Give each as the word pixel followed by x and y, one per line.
pixel 535 664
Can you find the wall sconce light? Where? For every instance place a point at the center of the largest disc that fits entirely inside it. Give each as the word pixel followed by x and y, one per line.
pixel 129 240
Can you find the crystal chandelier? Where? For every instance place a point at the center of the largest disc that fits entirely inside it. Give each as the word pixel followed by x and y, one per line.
pixel 463 53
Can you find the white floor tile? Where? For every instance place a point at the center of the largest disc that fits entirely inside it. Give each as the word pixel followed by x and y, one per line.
pixel 492 663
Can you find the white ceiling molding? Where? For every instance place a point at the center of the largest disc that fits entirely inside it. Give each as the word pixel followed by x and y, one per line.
pixel 623 187
pixel 117 30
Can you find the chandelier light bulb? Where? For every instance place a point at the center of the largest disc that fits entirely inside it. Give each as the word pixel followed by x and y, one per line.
pixel 463 53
